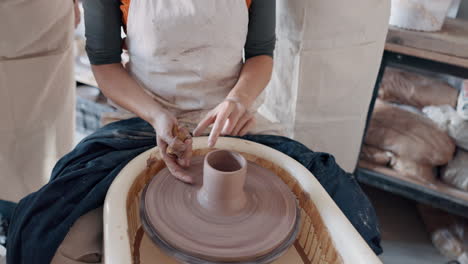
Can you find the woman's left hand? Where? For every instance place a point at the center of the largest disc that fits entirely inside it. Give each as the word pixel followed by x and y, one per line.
pixel 230 118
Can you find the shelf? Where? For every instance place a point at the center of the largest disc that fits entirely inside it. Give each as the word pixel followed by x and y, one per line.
pixel 450 45
pixel 436 194
pixel 444 52
pixel 396 59
pixel 428 55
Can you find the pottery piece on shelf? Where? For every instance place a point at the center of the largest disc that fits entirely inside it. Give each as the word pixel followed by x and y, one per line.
pixel 423 15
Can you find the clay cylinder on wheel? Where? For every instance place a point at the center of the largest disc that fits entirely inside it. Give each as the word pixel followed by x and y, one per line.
pixel 224 175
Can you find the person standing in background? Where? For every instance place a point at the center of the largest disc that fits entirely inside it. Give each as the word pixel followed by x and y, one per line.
pixel 37 91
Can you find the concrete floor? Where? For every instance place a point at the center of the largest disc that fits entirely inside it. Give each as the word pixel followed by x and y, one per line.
pixel 405 240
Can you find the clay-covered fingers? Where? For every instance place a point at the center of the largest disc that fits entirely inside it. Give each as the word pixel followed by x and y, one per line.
pixel 164 135
pixel 162 145
pixel 171 163
pixel 185 158
pixel 173 144
pixel 182 133
pixel 178 146
pixel 176 170
pixel 247 127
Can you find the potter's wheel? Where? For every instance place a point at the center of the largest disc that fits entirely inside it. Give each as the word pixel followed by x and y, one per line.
pixel 231 220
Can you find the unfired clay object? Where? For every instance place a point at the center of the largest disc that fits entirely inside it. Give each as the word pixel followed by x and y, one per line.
pixel 177 147
pixel 236 211
pixel 424 15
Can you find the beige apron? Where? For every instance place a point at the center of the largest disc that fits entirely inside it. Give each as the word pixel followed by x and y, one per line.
pixel 326 63
pixel 36 92
pixel 188 54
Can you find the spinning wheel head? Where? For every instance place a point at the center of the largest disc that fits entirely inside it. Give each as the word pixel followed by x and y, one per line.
pixel 236 212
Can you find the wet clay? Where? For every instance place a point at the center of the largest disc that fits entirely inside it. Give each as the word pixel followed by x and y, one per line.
pixel 177 147
pixel 236 211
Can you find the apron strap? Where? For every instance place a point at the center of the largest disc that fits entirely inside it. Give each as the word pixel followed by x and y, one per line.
pixel 124 7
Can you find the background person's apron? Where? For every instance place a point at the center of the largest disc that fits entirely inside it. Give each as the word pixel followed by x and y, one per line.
pixel 36 92
pixel 326 62
pixel 187 54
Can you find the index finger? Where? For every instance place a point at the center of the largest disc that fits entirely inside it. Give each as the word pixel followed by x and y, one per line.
pixel 221 119
pixel 204 124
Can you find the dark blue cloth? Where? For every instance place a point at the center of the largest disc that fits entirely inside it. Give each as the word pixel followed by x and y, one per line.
pixel 6 210
pixel 80 181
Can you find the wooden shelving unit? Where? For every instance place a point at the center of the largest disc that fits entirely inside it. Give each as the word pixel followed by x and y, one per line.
pixel 450 45
pixel 443 52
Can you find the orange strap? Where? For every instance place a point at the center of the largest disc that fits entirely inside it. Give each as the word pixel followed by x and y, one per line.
pixel 126 5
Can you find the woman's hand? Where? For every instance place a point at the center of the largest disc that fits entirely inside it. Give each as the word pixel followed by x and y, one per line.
pixel 164 124
pixel 230 117
pixel 122 89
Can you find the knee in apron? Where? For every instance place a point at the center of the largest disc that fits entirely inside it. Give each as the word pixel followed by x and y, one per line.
pixel 83 243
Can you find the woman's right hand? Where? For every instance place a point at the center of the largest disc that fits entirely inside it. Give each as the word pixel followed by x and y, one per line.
pixel 164 123
pixel 117 84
